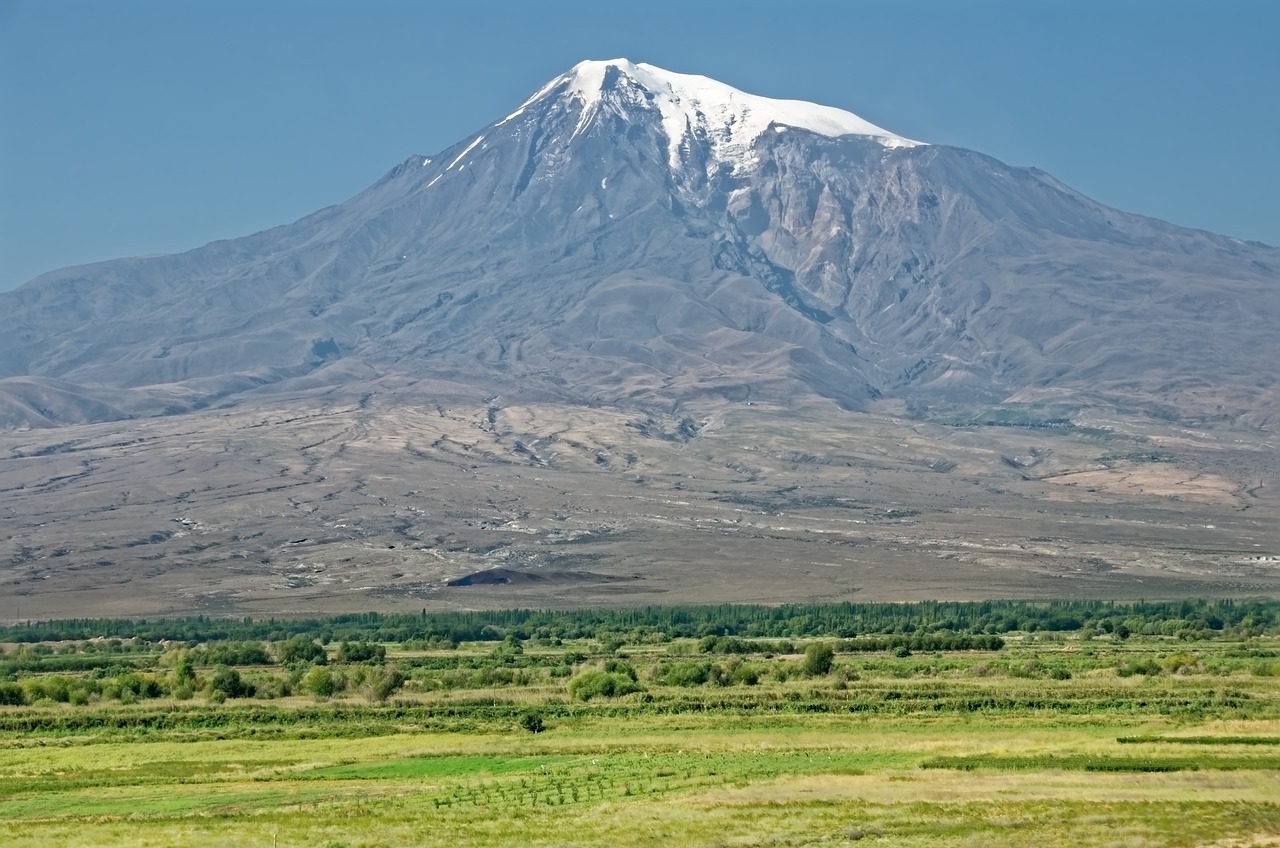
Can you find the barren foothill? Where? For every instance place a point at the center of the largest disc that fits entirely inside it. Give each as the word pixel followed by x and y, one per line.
pixel 339 502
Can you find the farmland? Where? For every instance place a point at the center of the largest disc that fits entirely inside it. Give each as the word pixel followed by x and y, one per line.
pixel 960 724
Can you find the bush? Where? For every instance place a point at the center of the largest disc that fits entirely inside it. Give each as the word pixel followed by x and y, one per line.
pixel 1181 663
pixel 184 671
pixel 11 695
pixel 601 684
pixel 140 686
pixel 1147 666
pixel 1030 668
pixel 56 689
pixel 271 687
pixel 356 652
pixel 319 681
pixel 231 653
pixel 620 667
pixel 381 685
pixel 300 649
pixel 684 673
pixel 819 657
pixel 532 722
pixel 227 681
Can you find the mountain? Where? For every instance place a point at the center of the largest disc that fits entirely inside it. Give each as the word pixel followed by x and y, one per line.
pixel 649 339
pixel 634 236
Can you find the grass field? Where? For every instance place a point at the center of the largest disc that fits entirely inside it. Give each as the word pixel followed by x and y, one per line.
pixel 1052 740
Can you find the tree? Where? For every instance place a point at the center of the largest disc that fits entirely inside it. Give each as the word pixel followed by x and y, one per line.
pixel 818 659
pixel 226 681
pixel 353 652
pixel 319 682
pixel 300 649
pixel 184 670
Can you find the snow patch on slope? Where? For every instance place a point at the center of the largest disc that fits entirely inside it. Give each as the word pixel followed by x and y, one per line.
pixel 470 147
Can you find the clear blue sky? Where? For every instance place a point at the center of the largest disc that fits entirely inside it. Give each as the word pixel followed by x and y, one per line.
pixel 132 127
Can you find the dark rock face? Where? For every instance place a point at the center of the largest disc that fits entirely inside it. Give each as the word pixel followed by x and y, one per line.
pixel 576 251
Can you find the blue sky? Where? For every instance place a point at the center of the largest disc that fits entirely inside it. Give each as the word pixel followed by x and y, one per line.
pixel 136 127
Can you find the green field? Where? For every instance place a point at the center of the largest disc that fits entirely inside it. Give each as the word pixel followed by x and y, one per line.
pixel 1163 732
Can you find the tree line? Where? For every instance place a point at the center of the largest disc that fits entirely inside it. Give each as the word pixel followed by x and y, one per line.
pixel 1197 619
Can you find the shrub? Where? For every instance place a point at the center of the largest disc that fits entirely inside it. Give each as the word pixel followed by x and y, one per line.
pixel 272 687
pixel 231 653
pixel 11 695
pixel 601 684
pixel 140 686
pixel 1180 663
pixel 56 689
pixel 319 681
pixel 1145 666
pixel 684 673
pixel 184 672
pixel 532 722
pixel 300 649
pixel 381 685
pixel 619 667
pixel 227 680
pixel 355 652
pixel 1030 668
pixel 818 659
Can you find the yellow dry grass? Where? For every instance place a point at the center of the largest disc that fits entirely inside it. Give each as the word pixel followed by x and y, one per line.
pixel 1157 480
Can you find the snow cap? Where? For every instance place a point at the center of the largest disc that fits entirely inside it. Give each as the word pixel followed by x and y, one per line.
pixel 731 120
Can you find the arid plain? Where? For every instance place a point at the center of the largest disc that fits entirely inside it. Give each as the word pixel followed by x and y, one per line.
pixel 330 502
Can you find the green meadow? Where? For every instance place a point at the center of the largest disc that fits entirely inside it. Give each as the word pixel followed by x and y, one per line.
pixel 1118 728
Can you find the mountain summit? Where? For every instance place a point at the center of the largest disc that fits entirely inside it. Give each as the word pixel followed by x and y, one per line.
pixel 629 235
pixel 695 111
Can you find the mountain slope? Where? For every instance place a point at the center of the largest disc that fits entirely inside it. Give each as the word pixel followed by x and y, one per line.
pixel 629 235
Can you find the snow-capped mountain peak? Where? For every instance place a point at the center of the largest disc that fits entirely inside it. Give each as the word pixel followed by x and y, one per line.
pixel 700 107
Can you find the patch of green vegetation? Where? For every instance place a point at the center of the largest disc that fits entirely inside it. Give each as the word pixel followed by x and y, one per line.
pixel 829 724
pixel 1199 740
pixel 1137 457
pixel 1097 763
pixel 434 767
pixel 1196 617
